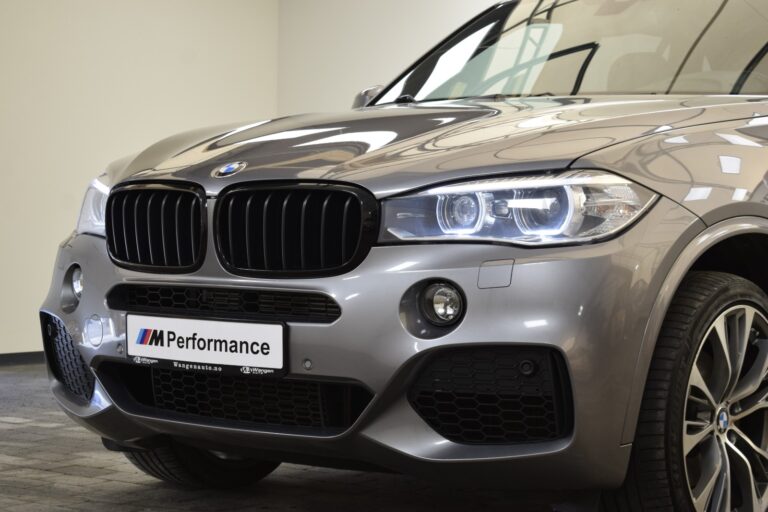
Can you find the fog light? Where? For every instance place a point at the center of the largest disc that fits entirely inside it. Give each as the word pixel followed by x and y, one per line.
pixel 442 304
pixel 77 282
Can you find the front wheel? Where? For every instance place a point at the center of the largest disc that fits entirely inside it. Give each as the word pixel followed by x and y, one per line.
pixel 702 437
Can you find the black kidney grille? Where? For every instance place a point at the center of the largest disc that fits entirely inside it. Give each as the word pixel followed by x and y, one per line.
pixel 293 229
pixel 156 227
pixel 228 303
pixel 494 395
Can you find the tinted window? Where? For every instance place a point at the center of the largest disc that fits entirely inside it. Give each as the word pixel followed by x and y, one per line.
pixel 567 47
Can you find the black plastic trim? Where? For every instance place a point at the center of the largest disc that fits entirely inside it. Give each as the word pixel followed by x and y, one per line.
pixel 117 300
pixel 170 186
pixel 561 386
pixel 370 219
pixel 114 373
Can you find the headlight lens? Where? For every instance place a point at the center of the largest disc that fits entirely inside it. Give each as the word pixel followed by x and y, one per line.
pixel 564 208
pixel 93 212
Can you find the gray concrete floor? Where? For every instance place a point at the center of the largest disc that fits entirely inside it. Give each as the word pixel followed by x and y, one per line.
pixel 49 463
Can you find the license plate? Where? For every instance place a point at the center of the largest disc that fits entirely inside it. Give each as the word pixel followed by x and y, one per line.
pixel 206 345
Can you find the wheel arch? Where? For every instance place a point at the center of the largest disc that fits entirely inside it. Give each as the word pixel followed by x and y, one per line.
pixel 712 249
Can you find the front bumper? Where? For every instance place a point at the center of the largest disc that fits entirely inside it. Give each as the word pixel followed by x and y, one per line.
pixel 590 303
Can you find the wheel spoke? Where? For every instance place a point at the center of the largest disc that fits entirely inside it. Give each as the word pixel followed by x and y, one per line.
pixel 742 474
pixel 697 381
pixel 758 459
pixel 752 446
pixel 724 358
pixel 751 406
pixel 750 383
pixel 702 429
pixel 721 495
pixel 713 471
pixel 738 328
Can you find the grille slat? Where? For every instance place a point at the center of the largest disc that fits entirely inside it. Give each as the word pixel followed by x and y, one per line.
pixel 284 232
pixel 236 304
pixel 177 225
pixel 136 232
pixel 265 233
pixel 163 231
pixel 303 237
pixel 149 229
pixel 156 227
pixel 323 231
pixel 248 231
pixel 193 214
pixel 125 228
pixel 305 229
pixel 230 233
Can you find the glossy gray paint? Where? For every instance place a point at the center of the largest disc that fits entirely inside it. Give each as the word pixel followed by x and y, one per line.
pixel 717 170
pixel 601 305
pixel 392 149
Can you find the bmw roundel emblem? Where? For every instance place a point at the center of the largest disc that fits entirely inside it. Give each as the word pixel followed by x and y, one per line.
pixel 227 170
pixel 723 421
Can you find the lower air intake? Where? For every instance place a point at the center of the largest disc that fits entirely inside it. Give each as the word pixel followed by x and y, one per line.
pixel 252 402
pixel 65 361
pixel 494 395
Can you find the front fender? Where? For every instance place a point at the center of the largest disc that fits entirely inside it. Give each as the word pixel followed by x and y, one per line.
pixel 704 241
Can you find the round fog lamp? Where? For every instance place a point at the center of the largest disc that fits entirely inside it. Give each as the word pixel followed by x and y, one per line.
pixel 442 304
pixel 77 282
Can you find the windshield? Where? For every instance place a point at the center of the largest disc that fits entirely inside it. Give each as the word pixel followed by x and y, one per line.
pixel 569 47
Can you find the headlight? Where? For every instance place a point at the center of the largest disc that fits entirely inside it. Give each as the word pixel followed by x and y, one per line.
pixel 565 208
pixel 93 212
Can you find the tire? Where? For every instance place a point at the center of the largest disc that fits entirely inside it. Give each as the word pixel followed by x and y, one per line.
pixel 185 466
pixel 658 475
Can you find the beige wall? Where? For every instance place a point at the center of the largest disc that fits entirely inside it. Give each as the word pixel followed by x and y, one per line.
pixel 331 49
pixel 84 82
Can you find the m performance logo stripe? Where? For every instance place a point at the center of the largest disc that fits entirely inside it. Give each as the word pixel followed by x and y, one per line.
pixel 144 336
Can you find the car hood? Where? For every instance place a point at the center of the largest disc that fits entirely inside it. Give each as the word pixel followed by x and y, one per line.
pixel 391 149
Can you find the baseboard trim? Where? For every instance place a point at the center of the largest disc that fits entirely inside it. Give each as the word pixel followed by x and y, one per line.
pixel 22 358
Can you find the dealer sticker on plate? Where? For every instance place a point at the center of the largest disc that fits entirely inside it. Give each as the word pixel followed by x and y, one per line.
pixel 206 344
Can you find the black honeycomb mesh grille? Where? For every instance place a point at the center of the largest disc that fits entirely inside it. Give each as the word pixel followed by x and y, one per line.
pixel 65 361
pixel 494 395
pixel 225 303
pixel 284 403
pixel 326 408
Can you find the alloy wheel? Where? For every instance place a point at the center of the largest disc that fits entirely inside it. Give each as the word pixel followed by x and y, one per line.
pixel 725 427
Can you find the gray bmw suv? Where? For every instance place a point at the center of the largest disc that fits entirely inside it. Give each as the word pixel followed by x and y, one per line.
pixel 535 260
